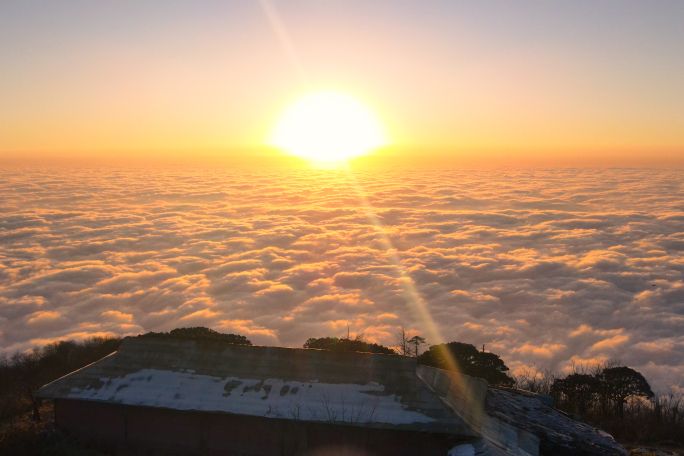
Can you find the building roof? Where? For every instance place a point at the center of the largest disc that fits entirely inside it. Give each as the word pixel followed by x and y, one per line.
pixel 534 414
pixel 362 389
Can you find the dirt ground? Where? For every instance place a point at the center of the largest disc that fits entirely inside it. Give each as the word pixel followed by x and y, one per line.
pixel 653 450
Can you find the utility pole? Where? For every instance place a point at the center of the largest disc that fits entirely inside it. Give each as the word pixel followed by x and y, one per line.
pixel 483 348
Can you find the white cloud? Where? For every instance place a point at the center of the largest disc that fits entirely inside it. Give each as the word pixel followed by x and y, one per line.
pixel 541 266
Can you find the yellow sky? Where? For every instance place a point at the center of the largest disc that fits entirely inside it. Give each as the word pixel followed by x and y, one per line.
pixel 534 83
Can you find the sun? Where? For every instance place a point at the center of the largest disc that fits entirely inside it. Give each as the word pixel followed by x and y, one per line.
pixel 328 126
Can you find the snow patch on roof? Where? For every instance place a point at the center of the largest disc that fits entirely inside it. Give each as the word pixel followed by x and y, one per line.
pixel 275 398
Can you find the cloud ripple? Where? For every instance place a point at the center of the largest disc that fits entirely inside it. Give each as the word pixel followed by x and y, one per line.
pixel 542 266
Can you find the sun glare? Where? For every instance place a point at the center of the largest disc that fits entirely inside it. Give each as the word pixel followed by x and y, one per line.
pixel 328 126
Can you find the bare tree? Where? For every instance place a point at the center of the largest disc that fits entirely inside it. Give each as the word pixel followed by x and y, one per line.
pixel 402 341
pixel 534 379
pixel 598 367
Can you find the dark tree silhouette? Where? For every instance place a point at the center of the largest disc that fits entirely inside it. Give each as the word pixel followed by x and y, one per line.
pixel 199 333
pixel 618 384
pixel 575 392
pixel 491 367
pixel 23 373
pixel 469 361
pixel 345 344
pixel 438 355
pixel 416 342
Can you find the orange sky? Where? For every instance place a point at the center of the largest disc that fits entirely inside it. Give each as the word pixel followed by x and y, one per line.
pixel 530 84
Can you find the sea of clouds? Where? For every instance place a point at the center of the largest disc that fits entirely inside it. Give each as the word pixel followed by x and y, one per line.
pixel 545 267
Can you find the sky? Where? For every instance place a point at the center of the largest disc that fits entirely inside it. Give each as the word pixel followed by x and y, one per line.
pixel 540 212
pixel 544 267
pixel 510 83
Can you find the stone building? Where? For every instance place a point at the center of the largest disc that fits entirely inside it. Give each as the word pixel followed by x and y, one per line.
pixel 197 397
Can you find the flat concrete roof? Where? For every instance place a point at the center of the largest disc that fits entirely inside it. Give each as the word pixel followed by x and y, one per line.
pixel 361 389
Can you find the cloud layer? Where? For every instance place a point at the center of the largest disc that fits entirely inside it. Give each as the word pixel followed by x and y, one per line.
pixel 544 267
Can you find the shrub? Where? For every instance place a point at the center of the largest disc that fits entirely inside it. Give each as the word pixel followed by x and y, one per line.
pixel 199 333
